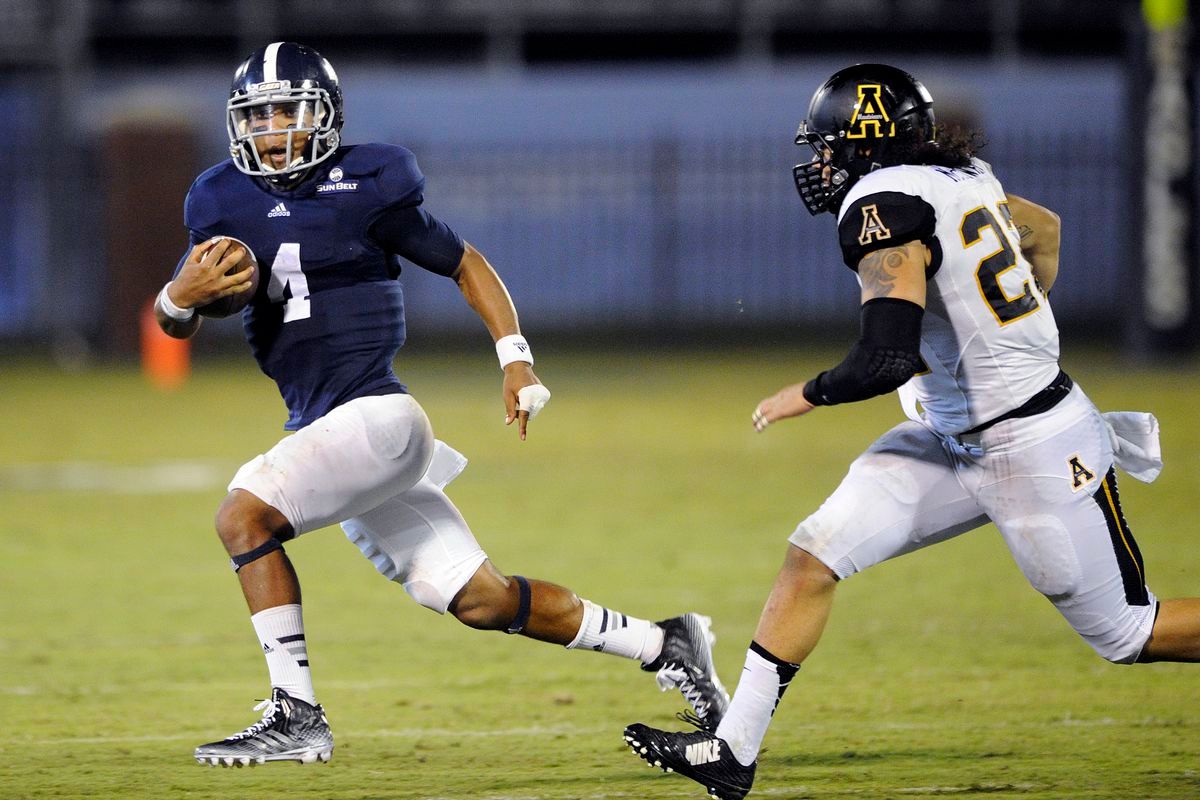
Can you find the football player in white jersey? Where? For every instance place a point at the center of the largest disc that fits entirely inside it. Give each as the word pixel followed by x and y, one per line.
pixel 954 275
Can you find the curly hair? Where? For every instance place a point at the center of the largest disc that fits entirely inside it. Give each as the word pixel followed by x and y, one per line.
pixel 952 147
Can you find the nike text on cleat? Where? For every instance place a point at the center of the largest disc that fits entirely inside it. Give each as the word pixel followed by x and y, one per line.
pixel 290 730
pixel 686 663
pixel 698 755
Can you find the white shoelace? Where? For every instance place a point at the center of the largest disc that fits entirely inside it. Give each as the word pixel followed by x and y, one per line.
pixel 262 724
pixel 673 676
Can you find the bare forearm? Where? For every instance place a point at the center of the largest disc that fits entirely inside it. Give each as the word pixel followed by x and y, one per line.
pixel 486 294
pixel 1040 232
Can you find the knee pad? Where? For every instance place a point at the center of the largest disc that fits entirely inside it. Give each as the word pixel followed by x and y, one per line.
pixel 267 547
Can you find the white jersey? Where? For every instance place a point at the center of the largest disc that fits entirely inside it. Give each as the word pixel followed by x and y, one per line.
pixel 988 337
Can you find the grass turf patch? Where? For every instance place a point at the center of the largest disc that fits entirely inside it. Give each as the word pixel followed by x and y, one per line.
pixel 125 641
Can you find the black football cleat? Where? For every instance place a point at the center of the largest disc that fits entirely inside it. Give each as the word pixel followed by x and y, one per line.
pixel 290 730
pixel 698 755
pixel 686 663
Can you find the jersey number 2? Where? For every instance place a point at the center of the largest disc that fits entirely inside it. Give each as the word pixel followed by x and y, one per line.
pixel 1006 309
pixel 288 283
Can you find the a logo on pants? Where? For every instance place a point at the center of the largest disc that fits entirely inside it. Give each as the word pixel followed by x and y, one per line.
pixel 1080 475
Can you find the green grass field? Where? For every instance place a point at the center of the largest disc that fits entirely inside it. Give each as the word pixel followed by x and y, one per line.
pixel 124 641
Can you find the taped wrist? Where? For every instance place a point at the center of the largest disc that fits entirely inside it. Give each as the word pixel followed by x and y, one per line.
pixel 887 353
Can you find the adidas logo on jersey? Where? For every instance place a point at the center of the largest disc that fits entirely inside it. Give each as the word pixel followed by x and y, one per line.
pixel 279 211
pixel 703 752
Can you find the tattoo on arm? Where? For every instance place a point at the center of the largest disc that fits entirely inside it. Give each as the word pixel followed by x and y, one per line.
pixel 878 271
pixel 1025 232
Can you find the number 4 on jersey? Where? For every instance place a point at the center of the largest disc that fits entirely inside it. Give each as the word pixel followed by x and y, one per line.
pixel 288 283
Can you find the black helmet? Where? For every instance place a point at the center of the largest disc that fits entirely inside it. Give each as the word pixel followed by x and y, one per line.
pixel 864 117
pixel 295 84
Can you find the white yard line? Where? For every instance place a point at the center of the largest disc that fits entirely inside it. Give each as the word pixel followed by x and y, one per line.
pixel 158 477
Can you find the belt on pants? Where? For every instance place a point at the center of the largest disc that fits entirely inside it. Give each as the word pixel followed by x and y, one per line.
pixel 1040 403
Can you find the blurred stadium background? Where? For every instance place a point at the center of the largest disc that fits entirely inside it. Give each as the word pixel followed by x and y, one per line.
pixel 626 164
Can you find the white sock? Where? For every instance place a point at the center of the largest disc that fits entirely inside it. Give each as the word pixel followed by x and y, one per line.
pixel 764 680
pixel 612 632
pixel 281 634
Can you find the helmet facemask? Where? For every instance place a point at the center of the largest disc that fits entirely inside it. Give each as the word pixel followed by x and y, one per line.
pixel 299 122
pixel 836 164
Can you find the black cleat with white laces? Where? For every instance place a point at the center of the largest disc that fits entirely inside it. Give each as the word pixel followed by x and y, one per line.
pixel 686 663
pixel 290 730
pixel 698 755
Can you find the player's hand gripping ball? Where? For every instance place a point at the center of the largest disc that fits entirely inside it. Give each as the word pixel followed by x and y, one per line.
pixel 231 304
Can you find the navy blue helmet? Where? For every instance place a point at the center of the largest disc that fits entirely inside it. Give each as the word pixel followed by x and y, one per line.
pixel 284 114
pixel 864 117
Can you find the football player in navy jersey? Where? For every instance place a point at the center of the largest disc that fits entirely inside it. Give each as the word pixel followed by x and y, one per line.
pixel 954 275
pixel 326 224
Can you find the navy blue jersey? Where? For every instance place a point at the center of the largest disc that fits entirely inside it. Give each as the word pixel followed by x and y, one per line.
pixel 328 316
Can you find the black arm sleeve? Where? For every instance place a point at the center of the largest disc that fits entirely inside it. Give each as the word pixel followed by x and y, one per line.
pixel 412 232
pixel 886 355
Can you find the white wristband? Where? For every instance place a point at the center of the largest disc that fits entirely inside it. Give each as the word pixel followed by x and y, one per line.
pixel 513 348
pixel 170 309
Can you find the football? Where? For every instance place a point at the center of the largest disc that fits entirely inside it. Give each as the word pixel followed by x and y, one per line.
pixel 232 304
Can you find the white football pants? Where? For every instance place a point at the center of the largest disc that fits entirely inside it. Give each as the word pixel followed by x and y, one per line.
pixel 1048 484
pixel 373 465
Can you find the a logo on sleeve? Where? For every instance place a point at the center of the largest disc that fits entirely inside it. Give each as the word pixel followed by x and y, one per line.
pixel 870 119
pixel 873 229
pixel 1080 475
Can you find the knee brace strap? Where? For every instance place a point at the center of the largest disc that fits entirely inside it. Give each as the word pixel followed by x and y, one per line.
pixel 267 547
pixel 522 617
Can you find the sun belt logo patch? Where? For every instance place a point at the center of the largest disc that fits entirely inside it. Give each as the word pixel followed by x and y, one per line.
pixel 873 229
pixel 870 119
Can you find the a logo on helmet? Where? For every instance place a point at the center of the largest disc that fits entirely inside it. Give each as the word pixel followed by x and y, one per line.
pixel 270 86
pixel 870 119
